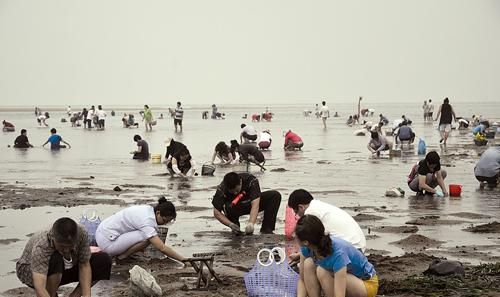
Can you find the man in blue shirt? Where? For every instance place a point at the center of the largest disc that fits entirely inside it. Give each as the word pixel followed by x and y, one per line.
pixel 55 141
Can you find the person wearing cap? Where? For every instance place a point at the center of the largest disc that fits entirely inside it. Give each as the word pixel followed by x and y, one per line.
pixel 292 141
pixel 22 140
pixel 265 140
pixel 427 174
pixel 239 194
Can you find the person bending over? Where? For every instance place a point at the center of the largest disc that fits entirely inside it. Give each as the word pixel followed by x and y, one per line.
pixel 293 141
pixel 59 256
pixel 249 153
pixel 487 170
pixel 378 143
pixel 427 174
pixel 404 133
pixel 331 264
pixel 222 151
pixel 239 194
pixel 133 229
pixel 181 164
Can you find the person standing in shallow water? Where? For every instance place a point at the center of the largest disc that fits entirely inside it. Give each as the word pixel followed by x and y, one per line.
pixel 325 113
pixel 445 114
pixel 178 115
pixel 55 141
pixel 148 118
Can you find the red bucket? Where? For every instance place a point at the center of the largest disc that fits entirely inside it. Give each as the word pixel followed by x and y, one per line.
pixel 455 190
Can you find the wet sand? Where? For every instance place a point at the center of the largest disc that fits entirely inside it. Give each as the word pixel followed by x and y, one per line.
pixel 404 235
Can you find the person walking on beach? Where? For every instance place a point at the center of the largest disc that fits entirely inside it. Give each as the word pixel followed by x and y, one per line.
pixel 59 256
pixel 55 141
pixel 426 175
pixel 425 108
pixel 101 118
pixel 148 118
pixel 331 264
pixel 22 140
pixel 325 113
pixel 430 110
pixel 487 170
pixel 133 229
pixel 447 115
pixel 248 134
pixel 292 141
pixel 142 152
pixel 337 222
pixel 178 115
pixel 239 194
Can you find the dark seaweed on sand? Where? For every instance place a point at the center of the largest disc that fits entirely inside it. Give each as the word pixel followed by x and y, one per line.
pixel 478 281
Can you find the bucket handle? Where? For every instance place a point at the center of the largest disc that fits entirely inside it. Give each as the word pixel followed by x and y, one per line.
pixel 271 259
pixel 94 216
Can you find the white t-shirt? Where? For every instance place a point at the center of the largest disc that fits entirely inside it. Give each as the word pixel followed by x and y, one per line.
pixel 101 114
pixel 324 111
pixel 265 137
pixel 249 130
pixel 138 217
pixel 338 222
pixel 430 106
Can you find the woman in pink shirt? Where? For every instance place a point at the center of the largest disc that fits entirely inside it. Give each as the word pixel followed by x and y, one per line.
pixel 292 141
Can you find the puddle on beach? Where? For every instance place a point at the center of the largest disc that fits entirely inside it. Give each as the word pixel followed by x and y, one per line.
pixel 334 165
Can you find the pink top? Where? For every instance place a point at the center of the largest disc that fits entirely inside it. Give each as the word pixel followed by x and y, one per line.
pixel 293 137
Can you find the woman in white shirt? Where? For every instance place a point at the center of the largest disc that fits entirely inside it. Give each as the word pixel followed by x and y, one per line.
pixel 132 229
pixel 265 140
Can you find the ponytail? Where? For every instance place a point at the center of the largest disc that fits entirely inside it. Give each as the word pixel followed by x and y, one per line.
pixel 310 228
pixel 165 207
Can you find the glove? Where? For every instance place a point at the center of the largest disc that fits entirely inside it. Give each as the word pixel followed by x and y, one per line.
pixel 249 229
pixel 235 228
pixel 439 194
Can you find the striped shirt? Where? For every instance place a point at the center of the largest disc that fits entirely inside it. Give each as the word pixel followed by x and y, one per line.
pixel 40 247
pixel 179 113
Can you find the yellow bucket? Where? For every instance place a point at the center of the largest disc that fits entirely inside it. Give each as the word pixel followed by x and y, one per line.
pixel 156 158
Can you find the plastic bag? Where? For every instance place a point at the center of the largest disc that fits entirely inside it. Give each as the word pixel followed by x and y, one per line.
pixel 290 222
pixel 142 283
pixel 422 147
pixel 90 223
pixel 274 278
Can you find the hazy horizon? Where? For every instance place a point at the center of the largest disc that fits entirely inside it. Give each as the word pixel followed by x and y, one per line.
pixel 122 52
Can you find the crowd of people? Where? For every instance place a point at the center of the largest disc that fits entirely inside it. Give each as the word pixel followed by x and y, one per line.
pixel 331 257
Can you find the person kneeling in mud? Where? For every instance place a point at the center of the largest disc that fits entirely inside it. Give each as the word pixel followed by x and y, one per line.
pixel 182 164
pixel 331 264
pixel 133 229
pixel 59 256
pixel 142 152
pixel 239 194
pixel 487 170
pixel 222 151
pixel 292 141
pixel 426 175
pixel 249 153
pixel 378 143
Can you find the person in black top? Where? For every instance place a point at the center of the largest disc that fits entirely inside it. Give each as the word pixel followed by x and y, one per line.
pixel 172 148
pixel 249 153
pixel 447 115
pixel 142 152
pixel 427 174
pixel 22 140
pixel 181 163
pixel 239 194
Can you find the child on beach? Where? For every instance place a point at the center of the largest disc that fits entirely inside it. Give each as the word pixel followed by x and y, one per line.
pixel 55 141
pixel 133 229
pixel 22 140
pixel 331 264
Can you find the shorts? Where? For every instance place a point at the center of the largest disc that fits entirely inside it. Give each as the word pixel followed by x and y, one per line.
pixel 264 144
pixel 445 127
pixel 121 244
pixel 249 137
pixel 371 286
pixel 178 122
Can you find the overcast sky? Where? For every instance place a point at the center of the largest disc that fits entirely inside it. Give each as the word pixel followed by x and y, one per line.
pixel 208 51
